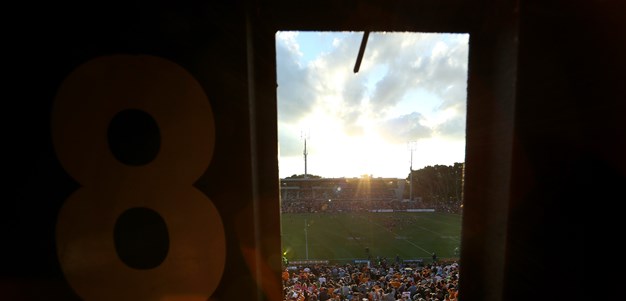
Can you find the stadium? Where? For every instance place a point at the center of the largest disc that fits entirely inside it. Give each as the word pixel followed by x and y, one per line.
pixel 368 238
pixel 347 219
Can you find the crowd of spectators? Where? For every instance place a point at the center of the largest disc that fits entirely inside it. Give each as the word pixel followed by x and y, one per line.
pixel 437 281
pixel 358 195
pixel 312 206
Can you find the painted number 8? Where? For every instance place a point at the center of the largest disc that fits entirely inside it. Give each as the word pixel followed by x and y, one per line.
pixel 98 261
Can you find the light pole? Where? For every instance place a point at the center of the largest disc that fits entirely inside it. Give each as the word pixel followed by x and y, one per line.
pixel 412 147
pixel 305 136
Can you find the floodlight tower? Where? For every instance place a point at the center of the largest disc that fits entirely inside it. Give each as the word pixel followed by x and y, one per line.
pixel 412 147
pixel 305 136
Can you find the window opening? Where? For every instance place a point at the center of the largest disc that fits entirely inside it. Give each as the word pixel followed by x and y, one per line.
pixel 371 129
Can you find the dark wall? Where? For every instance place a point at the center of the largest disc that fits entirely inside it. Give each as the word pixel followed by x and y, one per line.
pixel 546 134
pixel 50 41
pixel 569 145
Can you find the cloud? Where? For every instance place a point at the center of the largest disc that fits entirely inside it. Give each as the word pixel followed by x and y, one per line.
pixel 296 93
pixel 336 69
pixel 339 92
pixel 452 128
pixel 425 61
pixel 389 91
pixel 434 62
pixel 354 91
pixel 404 128
pixel 290 144
pixel 350 118
pixel 395 67
pixel 449 72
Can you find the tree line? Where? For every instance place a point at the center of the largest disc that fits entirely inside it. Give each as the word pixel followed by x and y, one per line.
pixel 439 186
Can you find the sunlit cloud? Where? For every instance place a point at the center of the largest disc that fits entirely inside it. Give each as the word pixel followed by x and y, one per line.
pixel 410 87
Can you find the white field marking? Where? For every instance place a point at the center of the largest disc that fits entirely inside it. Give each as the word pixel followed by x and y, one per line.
pixel 429 253
pixel 451 237
pixel 439 234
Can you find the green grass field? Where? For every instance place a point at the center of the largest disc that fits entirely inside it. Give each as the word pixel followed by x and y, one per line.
pixel 345 236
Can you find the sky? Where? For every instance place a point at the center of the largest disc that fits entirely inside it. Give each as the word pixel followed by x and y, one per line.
pixel 405 106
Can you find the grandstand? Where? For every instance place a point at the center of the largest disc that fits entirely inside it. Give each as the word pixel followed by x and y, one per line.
pixel 309 195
